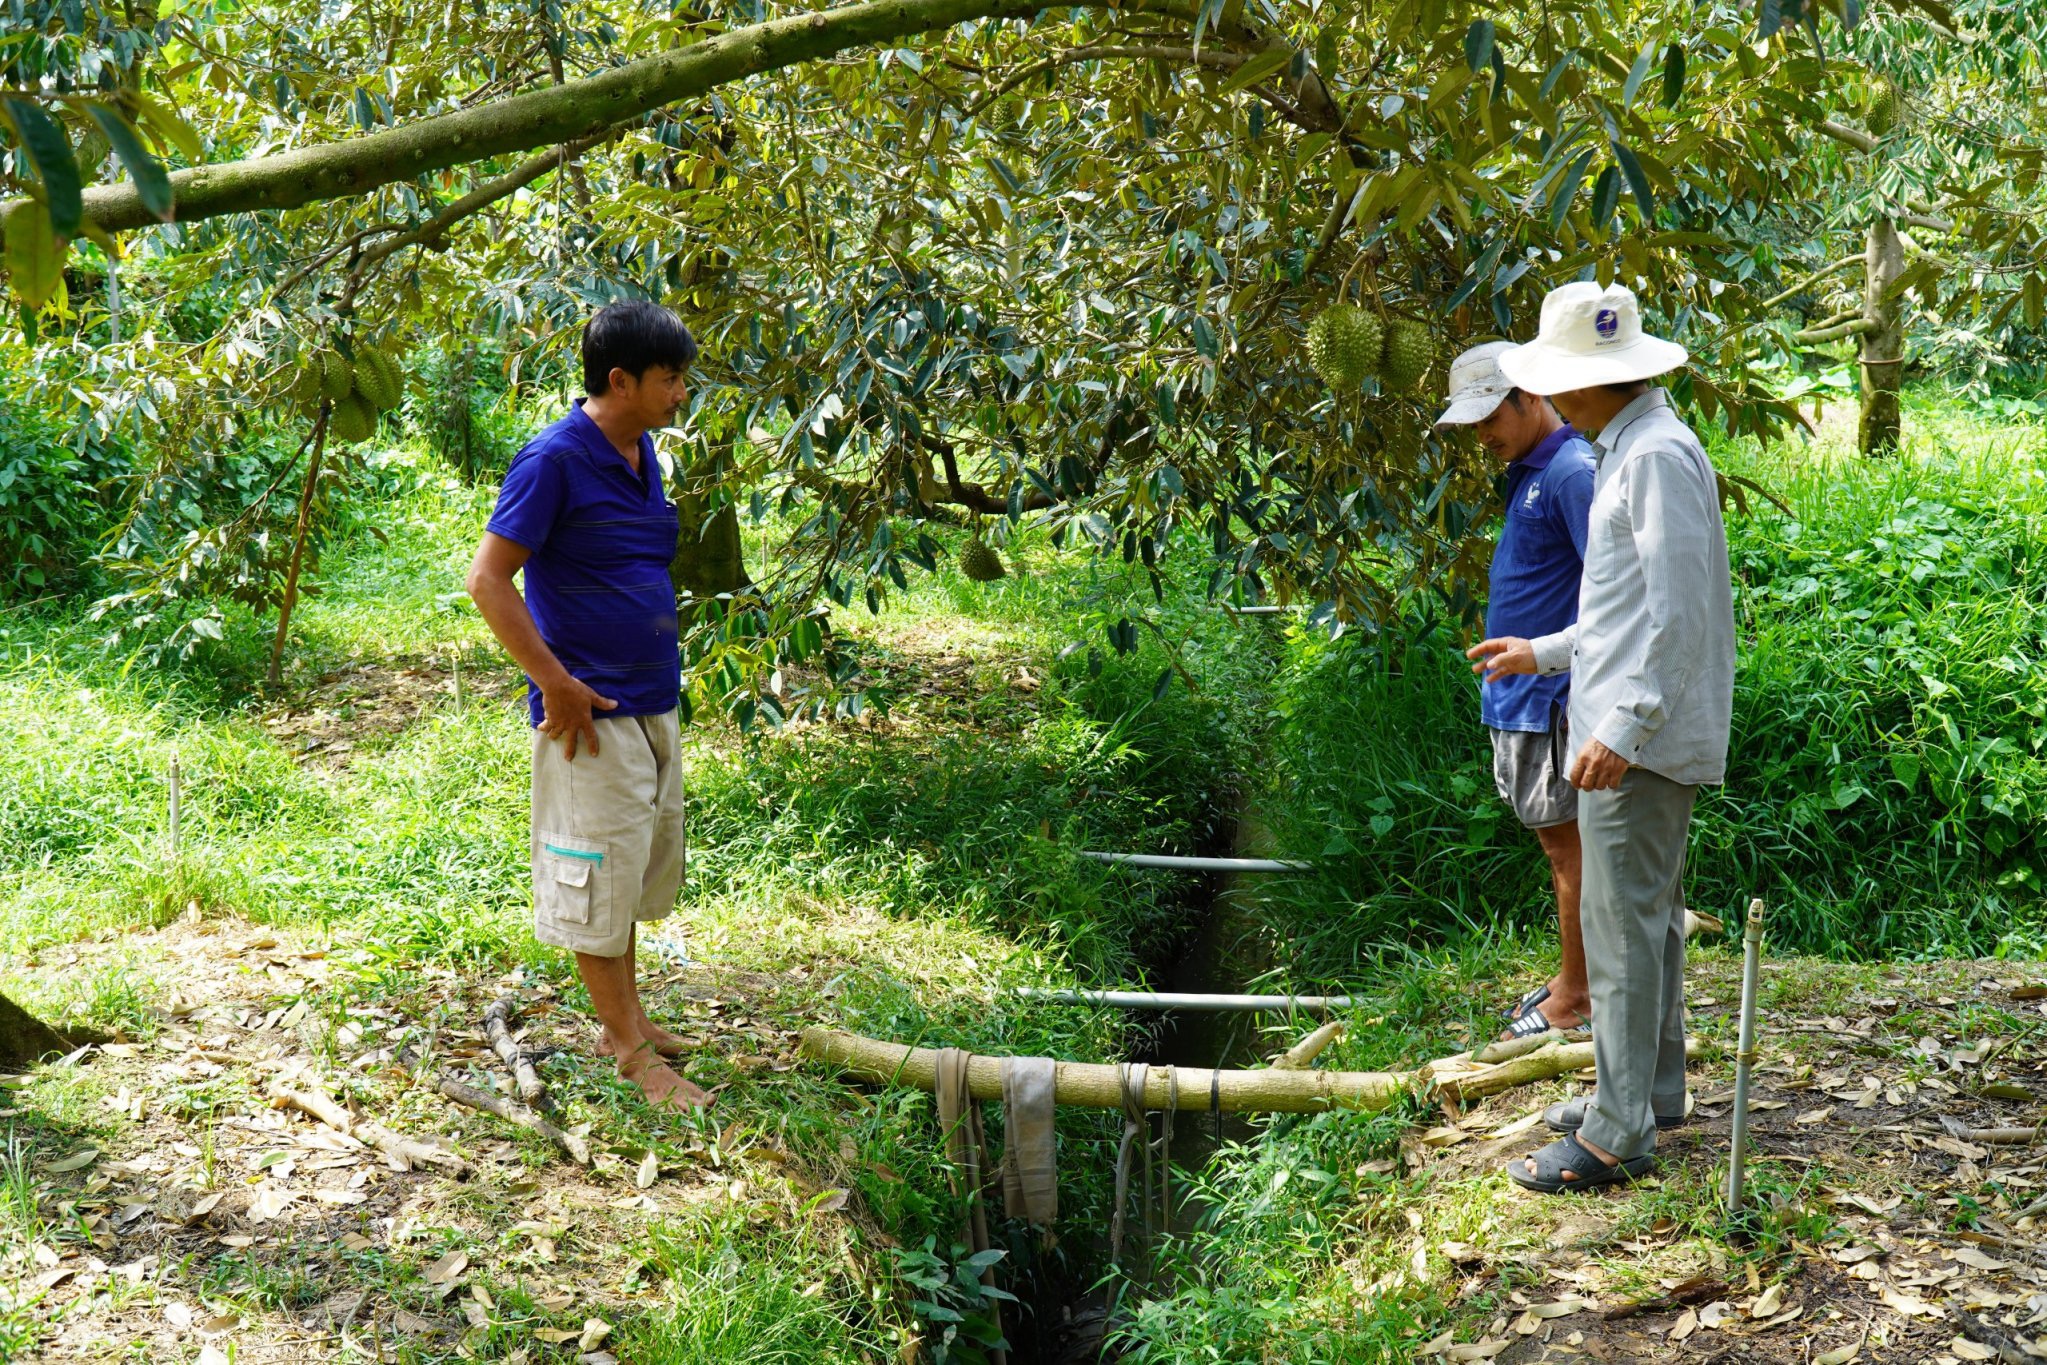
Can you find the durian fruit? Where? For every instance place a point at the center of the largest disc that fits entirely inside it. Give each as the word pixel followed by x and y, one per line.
pixel 1409 351
pixel 979 561
pixel 352 420
pixel 1884 107
pixel 1344 344
pixel 305 388
pixel 378 378
pixel 337 376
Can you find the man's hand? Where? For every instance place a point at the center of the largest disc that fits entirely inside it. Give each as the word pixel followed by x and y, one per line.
pixel 1598 768
pixel 566 707
pixel 1502 658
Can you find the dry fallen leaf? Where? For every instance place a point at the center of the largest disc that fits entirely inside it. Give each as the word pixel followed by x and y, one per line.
pixel 1768 1303
pixel 1685 1325
pixel 1840 1355
pixel 649 1171
pixel 594 1331
pixel 445 1270
pixel 1911 1305
pixel 1820 1115
pixel 1962 1348
pixel 78 1160
pixel 1969 1256
pixel 1479 1350
pixel 1715 1313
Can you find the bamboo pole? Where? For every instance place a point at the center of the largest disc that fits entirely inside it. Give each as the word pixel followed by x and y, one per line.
pixel 1097 1085
pixel 1301 1054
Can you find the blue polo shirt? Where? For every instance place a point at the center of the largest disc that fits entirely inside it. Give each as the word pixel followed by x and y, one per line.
pixel 597 583
pixel 1535 573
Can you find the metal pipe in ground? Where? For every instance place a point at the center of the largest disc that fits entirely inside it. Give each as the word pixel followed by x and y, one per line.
pixel 177 794
pixel 1745 1055
pixel 1192 864
pixel 1182 1000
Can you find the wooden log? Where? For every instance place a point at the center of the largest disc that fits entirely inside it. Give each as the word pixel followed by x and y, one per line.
pixel 1507 1051
pixel 405 1151
pixel 1544 1064
pixel 1098 1086
pixel 511 1111
pixel 1298 1057
pixel 497 1026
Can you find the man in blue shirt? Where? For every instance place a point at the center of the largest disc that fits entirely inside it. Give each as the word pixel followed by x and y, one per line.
pixel 1535 572
pixel 583 514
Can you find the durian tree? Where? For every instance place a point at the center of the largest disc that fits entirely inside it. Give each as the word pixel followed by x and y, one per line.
pixel 962 257
pixel 1922 196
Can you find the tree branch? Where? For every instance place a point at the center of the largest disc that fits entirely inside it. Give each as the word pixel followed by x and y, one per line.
pixel 1810 280
pixel 561 113
pixel 1842 133
pixel 1846 329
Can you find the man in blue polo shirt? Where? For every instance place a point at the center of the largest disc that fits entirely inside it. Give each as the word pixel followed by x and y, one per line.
pixel 582 513
pixel 1535 572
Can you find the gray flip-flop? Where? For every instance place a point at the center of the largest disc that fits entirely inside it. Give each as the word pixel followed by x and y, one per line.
pixel 1569 1116
pixel 1568 1154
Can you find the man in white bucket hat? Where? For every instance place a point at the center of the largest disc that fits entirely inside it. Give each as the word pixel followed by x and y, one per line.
pixel 1652 663
pixel 1533 590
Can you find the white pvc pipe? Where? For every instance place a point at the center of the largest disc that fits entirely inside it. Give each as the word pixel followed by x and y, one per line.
pixel 1180 1000
pixel 1258 611
pixel 1199 864
pixel 1744 1056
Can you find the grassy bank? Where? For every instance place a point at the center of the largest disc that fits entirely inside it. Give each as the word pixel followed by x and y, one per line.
pixel 893 875
pixel 1885 797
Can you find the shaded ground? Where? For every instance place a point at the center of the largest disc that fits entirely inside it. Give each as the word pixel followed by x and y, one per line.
pixel 364 702
pixel 173 1213
pixel 1880 1208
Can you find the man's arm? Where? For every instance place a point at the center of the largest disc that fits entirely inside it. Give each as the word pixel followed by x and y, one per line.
pixel 566 701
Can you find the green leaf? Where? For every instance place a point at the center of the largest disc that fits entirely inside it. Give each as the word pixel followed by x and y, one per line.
pixel 1257 69
pixel 1567 188
pixel 35 258
pixel 1606 195
pixel 1478 44
pixel 1673 74
pixel 1638 183
pixel 1638 73
pixel 151 182
pixel 50 150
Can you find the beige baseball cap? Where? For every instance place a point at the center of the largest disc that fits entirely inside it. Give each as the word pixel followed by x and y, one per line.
pixel 1477 388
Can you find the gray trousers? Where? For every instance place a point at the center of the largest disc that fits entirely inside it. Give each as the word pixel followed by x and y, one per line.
pixel 1632 910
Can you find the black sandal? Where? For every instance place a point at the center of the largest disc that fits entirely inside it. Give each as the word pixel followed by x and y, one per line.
pixel 1569 1116
pixel 1526 1024
pixel 1526 1003
pixel 1569 1154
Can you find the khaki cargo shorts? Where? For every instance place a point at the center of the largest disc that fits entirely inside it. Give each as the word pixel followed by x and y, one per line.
pixel 608 846
pixel 1529 769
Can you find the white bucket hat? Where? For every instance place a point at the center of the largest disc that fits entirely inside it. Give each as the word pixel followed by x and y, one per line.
pixel 1476 385
pixel 1589 336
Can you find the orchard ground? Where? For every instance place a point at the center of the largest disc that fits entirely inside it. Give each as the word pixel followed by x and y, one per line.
pixel 350 895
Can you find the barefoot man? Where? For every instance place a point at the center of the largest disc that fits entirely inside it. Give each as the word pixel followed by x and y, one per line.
pixel 582 513
pixel 1533 591
pixel 1652 692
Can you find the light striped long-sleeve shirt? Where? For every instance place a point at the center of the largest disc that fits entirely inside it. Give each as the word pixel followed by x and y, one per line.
pixel 1652 653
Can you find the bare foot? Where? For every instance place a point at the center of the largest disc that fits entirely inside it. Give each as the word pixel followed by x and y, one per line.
pixel 663 1042
pixel 661 1083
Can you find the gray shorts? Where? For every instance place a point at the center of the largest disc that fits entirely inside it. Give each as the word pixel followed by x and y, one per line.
pixel 1531 773
pixel 607 833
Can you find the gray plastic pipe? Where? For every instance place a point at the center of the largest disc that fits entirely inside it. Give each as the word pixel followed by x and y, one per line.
pixel 1745 1055
pixel 1178 1000
pixel 1185 864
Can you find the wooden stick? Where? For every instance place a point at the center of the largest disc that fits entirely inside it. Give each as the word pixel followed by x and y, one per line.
pixel 1297 1057
pixel 1542 1065
pixel 1098 1086
pixel 2005 1137
pixel 497 1026
pixel 1511 1048
pixel 403 1150
pixel 511 1111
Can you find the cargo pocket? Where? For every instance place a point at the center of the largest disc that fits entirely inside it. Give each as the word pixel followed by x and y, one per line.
pixel 572 885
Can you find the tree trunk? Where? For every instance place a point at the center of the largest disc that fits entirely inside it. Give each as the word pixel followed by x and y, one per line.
pixel 25 1039
pixel 1883 345
pixel 709 558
